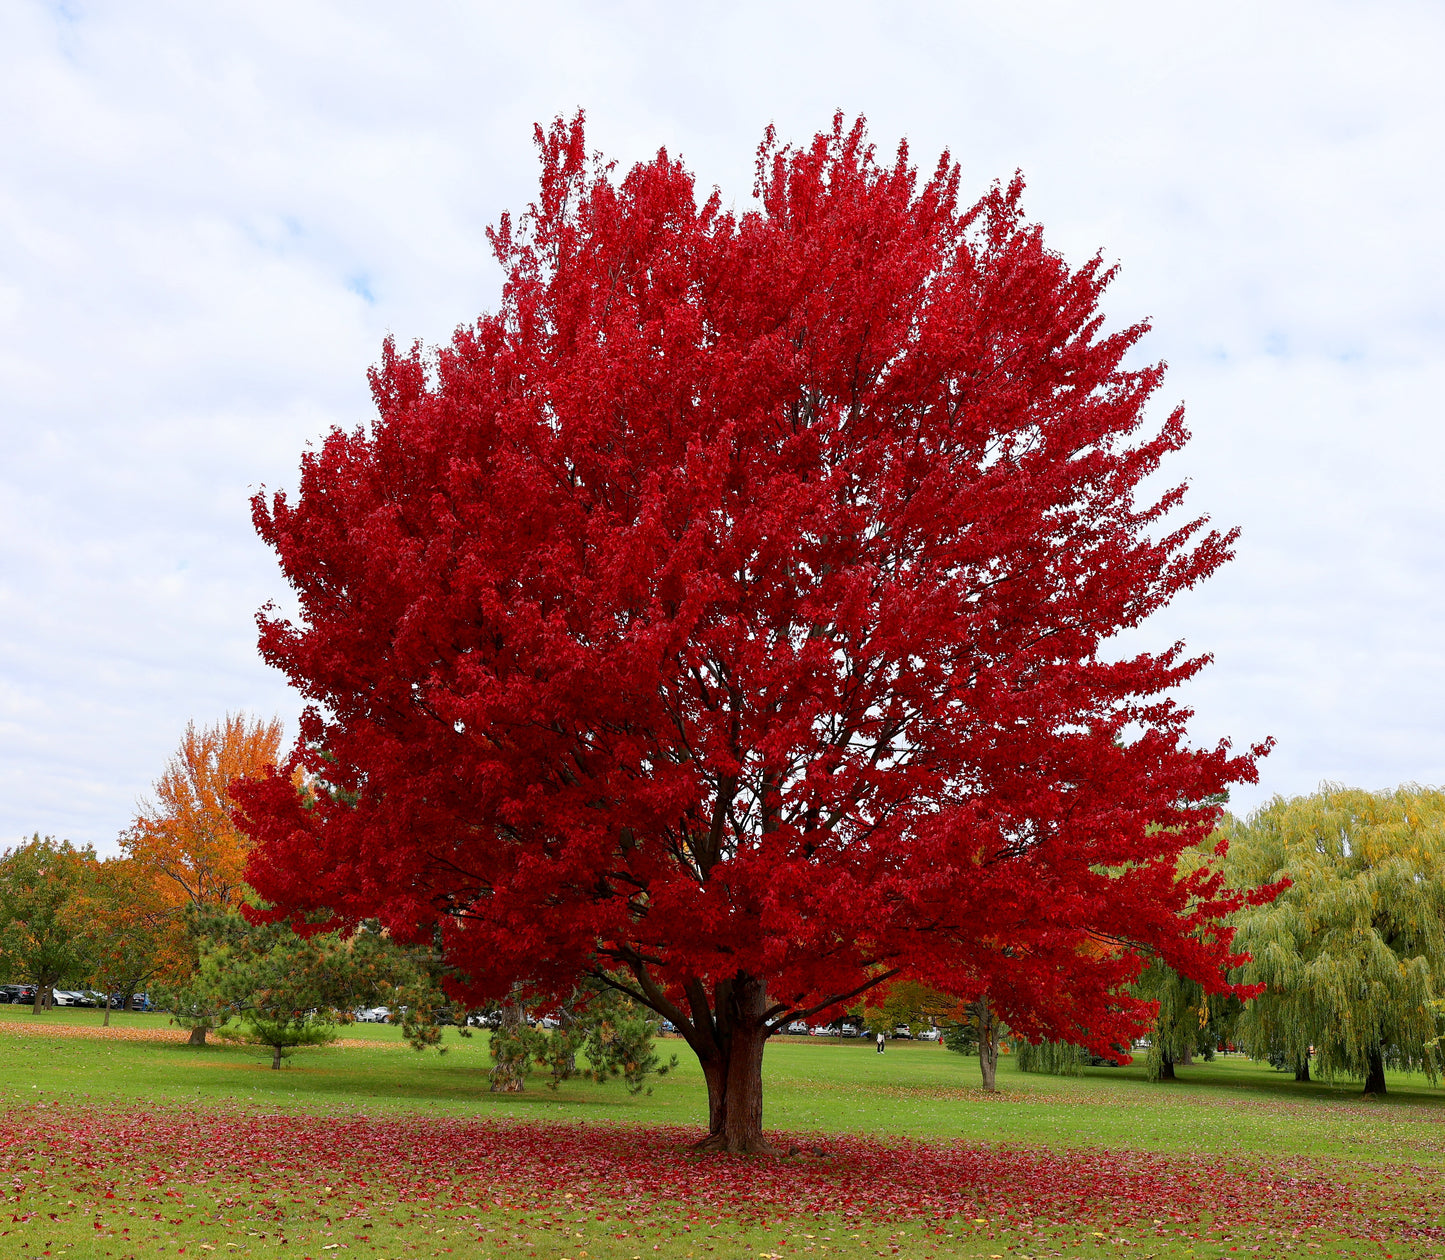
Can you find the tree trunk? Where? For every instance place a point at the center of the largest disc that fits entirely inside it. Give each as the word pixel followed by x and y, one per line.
pixel 1186 1057
pixel 1375 1073
pixel 732 1064
pixel 509 1075
pixel 1166 1068
pixel 276 1058
pixel 105 1023
pixel 1302 1070
pixel 987 1043
pixel 198 1036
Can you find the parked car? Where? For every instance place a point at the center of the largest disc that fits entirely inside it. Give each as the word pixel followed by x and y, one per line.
pixel 68 997
pixel 847 1031
pixel 668 1026
pixel 902 1033
pixel 798 1028
pixel 373 1015
pixel 930 1034
pixel 820 1030
pixel 17 993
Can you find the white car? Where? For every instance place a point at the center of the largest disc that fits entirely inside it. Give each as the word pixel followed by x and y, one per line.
pixel 69 997
pixel 373 1015
pixel 797 1028
pixel 930 1034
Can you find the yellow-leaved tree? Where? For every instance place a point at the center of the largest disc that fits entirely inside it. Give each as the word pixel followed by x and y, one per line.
pixel 43 927
pixel 134 926
pixel 1352 954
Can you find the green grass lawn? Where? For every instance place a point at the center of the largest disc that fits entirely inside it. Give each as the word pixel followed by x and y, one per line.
pixel 1241 1113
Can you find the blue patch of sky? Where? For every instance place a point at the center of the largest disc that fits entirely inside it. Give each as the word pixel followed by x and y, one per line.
pixel 67 16
pixel 361 286
pixel 65 10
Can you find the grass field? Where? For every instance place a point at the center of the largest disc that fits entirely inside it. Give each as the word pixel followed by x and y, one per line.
pixel 372 1149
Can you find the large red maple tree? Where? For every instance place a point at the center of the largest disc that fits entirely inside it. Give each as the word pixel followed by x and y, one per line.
pixel 730 614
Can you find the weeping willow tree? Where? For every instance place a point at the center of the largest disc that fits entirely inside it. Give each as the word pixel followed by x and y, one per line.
pixel 1352 954
pixel 1190 1021
pixel 1054 1058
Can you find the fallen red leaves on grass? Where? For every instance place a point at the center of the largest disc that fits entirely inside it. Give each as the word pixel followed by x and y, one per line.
pixel 358 1166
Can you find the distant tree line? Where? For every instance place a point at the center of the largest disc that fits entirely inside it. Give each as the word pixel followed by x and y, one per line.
pixel 1346 960
pixel 167 916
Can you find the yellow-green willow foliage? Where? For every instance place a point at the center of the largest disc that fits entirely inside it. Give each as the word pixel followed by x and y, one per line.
pixel 1353 953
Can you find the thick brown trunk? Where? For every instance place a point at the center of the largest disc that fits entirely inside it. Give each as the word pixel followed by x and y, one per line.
pixel 987 1044
pixel 1166 1068
pixel 1375 1073
pixel 733 1069
pixel 1302 1070
pixel 198 1036
pixel 743 1121
pixel 276 1058
pixel 1186 1057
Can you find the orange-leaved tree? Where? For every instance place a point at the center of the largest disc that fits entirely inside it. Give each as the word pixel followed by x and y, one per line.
pixel 185 834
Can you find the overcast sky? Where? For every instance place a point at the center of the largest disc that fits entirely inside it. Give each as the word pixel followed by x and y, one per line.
pixel 211 215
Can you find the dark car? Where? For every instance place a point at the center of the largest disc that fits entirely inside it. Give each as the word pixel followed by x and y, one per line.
pixel 17 993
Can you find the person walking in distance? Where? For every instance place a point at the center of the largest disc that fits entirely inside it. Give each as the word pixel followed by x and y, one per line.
pixel 880 1043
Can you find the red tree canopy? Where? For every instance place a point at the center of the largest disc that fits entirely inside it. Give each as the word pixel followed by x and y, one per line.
pixel 730 612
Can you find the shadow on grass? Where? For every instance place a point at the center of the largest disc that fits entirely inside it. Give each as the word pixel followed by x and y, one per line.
pixel 1248 1079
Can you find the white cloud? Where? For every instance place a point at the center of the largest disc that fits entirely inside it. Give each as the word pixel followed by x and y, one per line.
pixel 212 214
